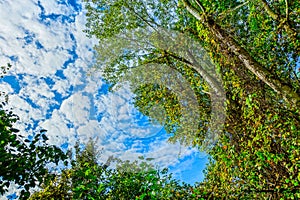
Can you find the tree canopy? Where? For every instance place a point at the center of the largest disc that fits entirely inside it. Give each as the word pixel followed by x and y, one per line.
pixel 254 48
pixel 89 179
pixel 223 76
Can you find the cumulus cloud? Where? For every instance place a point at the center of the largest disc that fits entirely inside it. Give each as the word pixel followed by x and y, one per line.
pixel 52 58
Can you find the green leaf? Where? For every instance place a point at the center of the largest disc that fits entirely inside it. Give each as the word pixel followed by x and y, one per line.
pixel 45 138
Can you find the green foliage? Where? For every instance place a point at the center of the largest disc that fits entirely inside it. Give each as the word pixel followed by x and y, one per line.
pixel 119 56
pixel 257 155
pixel 22 161
pixel 87 179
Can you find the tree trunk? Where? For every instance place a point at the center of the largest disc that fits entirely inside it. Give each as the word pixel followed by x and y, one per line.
pixel 250 63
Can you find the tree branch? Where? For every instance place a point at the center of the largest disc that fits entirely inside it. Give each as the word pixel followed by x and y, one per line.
pixel 198 68
pixel 249 62
pixel 282 21
pixel 269 10
pixel 287 10
pixel 192 10
pixel 201 6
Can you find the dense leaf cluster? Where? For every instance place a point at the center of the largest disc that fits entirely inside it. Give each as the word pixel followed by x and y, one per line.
pixel 88 179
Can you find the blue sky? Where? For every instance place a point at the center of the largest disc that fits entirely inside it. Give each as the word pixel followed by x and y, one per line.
pixel 50 87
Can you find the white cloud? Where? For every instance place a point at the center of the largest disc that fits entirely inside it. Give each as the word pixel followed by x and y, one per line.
pixel 92 129
pixel 83 112
pixel 40 93
pixel 16 28
pixel 58 130
pixel 61 86
pixel 5 87
pixel 22 108
pixel 53 7
pixel 76 109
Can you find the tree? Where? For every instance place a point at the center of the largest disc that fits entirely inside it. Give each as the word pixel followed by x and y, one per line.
pixel 258 150
pixel 87 179
pixel 255 47
pixel 125 41
pixel 23 161
pixel 204 17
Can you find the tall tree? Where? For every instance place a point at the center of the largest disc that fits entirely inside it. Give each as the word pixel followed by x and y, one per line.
pixel 227 41
pixel 255 47
pixel 144 36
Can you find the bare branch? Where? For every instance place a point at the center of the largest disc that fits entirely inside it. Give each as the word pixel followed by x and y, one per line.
pixel 200 5
pixel 206 92
pixel 286 10
pixel 192 10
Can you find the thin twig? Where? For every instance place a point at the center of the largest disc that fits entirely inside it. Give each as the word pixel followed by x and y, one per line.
pixel 201 6
pixel 287 10
pixel 192 10
pixel 269 10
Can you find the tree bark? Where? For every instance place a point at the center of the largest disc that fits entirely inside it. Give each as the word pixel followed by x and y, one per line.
pixel 249 62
